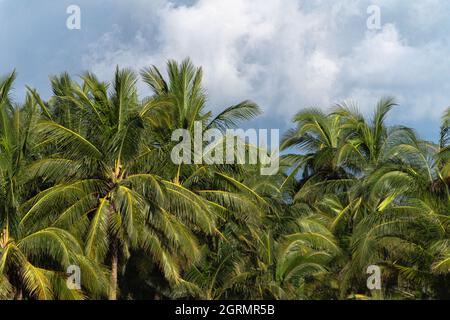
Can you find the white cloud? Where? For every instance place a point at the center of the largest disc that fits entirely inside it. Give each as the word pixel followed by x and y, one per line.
pixel 288 54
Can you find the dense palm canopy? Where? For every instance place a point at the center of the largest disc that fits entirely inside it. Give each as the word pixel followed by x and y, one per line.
pixel 87 180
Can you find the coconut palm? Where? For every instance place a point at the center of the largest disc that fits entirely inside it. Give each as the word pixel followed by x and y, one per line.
pixel 33 258
pixel 98 193
pixel 179 102
pixel 126 198
pixel 87 179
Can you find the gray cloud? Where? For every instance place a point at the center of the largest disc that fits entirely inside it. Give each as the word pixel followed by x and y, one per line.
pixel 283 54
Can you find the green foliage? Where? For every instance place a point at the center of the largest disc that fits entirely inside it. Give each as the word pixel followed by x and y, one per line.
pixel 86 179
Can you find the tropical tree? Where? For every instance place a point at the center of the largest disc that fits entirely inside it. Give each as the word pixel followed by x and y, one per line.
pixel 130 194
pixel 87 179
pixel 33 257
pixel 378 193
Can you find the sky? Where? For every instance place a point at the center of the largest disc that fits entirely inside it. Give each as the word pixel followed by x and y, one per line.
pixel 284 55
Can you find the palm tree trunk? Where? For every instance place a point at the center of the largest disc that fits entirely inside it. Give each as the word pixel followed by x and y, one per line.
pixel 18 295
pixel 114 263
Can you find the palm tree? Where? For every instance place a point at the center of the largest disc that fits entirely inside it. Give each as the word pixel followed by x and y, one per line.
pixel 98 154
pixel 127 198
pixel 178 103
pixel 33 257
pixel 319 138
pixel 372 184
pixel 86 179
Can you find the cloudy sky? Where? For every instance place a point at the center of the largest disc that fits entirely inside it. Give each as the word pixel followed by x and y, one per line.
pixel 283 54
